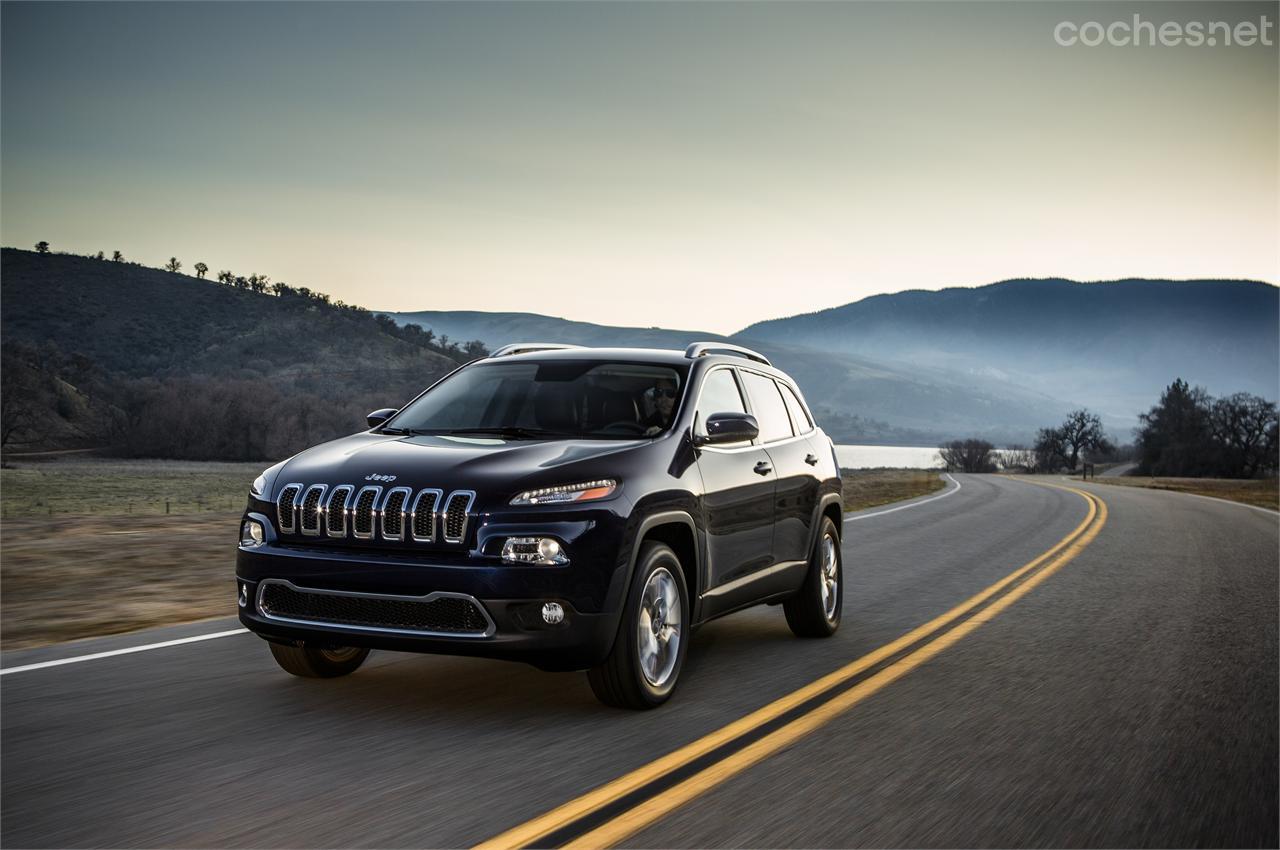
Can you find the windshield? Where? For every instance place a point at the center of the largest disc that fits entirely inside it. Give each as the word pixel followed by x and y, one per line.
pixel 561 398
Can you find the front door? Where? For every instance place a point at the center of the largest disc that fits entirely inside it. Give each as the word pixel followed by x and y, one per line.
pixel 738 483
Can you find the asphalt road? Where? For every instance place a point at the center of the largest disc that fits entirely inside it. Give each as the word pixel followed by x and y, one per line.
pixel 1128 699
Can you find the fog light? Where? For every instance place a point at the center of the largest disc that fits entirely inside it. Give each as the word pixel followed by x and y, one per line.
pixel 243 599
pixel 552 613
pixel 544 551
pixel 252 533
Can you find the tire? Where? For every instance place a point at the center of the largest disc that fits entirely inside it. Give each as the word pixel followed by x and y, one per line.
pixel 314 662
pixel 814 612
pixel 642 669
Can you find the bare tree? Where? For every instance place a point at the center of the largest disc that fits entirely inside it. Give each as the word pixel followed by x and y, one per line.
pixel 117 257
pixel 970 455
pixel 1082 432
pixel 1243 424
pixel 1018 457
pixel 201 270
pixel 42 247
pixel 174 265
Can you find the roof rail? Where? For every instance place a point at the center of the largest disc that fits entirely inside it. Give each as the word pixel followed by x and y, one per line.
pixel 702 349
pixel 527 347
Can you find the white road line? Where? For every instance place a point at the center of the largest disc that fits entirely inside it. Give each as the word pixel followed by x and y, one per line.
pixel 954 489
pixel 94 656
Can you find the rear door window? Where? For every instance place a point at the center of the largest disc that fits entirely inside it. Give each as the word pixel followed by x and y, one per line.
pixel 768 407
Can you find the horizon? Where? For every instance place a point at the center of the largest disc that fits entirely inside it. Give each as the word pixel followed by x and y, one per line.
pixel 511 155
pixel 186 272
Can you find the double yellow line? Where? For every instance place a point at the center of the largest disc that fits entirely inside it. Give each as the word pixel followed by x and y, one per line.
pixel 619 809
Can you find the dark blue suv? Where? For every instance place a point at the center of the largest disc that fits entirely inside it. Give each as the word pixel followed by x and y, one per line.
pixel 575 508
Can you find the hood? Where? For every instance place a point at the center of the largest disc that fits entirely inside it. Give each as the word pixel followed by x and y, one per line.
pixel 487 465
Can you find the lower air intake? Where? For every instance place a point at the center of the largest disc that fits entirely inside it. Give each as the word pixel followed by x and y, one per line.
pixel 435 614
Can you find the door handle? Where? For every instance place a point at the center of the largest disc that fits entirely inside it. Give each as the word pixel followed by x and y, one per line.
pixel 763 468
pixel 812 460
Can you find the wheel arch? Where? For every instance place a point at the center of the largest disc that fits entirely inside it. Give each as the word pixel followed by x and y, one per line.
pixel 677 530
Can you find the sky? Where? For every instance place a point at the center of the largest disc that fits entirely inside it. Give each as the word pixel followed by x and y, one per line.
pixel 700 166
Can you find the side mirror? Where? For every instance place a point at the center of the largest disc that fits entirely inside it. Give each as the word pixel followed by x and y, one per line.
pixel 379 416
pixel 728 428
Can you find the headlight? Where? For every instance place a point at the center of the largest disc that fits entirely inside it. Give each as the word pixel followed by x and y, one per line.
pixel 259 485
pixel 585 492
pixel 543 551
pixel 252 533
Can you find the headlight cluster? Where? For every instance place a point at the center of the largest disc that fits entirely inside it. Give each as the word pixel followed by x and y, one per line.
pixel 585 492
pixel 541 551
pixel 252 533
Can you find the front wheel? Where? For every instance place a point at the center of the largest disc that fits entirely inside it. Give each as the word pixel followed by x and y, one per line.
pixel 315 662
pixel 642 668
pixel 815 609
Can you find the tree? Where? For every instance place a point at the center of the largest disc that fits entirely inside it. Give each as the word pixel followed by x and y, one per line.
pixel 201 270
pixel 1050 450
pixel 1082 432
pixel 226 277
pixel 1243 426
pixel 42 247
pixel 970 455
pixel 101 255
pixel 173 265
pixel 240 283
pixel 1174 437
pixel 117 257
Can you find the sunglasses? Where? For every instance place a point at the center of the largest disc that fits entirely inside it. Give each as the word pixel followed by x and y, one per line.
pixel 663 392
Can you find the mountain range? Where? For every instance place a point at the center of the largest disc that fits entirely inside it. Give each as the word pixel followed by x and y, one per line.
pixel 998 361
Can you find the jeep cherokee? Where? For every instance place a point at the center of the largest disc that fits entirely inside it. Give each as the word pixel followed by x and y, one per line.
pixel 575 508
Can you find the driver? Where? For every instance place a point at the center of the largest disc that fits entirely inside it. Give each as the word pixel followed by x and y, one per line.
pixel 663 394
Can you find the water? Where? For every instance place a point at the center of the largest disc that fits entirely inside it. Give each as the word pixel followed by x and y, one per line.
pixel 898 457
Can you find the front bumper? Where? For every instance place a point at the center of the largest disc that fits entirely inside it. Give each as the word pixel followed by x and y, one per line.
pixel 510 596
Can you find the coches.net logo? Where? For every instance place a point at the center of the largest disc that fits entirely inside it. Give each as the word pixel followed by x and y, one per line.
pixel 1137 32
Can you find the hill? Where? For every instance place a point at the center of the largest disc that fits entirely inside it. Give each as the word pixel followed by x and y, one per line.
pixel 1111 345
pixel 151 362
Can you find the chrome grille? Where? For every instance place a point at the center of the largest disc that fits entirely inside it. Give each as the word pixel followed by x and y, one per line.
pixel 393 513
pixel 362 515
pixel 423 529
pixel 454 614
pixel 455 515
pixel 336 511
pixel 310 515
pixel 285 507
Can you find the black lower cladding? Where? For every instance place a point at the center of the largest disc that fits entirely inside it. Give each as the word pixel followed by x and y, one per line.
pixel 446 614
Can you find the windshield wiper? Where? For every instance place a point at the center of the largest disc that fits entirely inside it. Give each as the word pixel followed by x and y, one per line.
pixel 514 432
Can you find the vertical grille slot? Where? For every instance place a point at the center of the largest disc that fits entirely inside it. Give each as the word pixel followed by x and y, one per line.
pixel 423 529
pixel 393 513
pixel 455 515
pixel 285 508
pixel 336 511
pixel 363 513
pixel 310 514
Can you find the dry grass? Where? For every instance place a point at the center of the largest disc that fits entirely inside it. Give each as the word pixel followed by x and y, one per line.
pixel 866 488
pixel 86 548
pixel 1264 493
pixel 123 487
pixel 69 577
